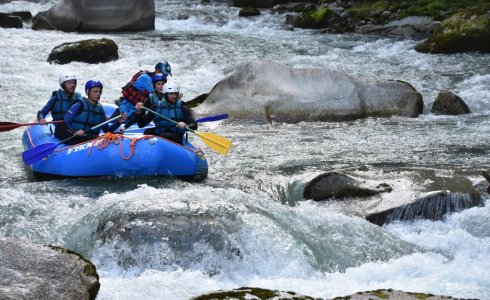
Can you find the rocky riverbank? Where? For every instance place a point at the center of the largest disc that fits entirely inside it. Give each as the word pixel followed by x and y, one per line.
pixel 466 20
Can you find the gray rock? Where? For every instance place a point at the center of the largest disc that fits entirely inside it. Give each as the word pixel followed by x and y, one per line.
pixel 276 92
pixel 432 206
pixel 32 271
pixel 413 26
pixel 394 295
pixel 447 103
pixel 89 51
pixel 97 15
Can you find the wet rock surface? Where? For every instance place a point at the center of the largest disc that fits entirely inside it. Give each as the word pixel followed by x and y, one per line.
pixel 89 51
pixel 33 271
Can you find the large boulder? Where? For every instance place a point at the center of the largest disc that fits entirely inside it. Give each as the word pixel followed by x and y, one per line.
pixel 277 92
pixel 447 103
pixel 466 31
pixel 32 271
pixel 90 51
pixel 97 15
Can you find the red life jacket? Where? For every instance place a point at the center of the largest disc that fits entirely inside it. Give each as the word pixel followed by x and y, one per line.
pixel 131 94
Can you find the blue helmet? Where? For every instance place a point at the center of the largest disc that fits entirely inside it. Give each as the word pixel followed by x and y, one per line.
pixel 91 84
pixel 158 77
pixel 164 67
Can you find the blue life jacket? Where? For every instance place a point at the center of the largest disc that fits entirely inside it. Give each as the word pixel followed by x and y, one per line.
pixel 62 103
pixel 90 116
pixel 155 99
pixel 171 111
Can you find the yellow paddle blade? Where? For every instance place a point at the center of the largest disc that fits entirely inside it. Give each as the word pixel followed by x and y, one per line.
pixel 215 142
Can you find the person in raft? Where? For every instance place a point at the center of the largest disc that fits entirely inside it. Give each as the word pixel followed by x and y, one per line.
pixel 59 102
pixel 158 80
pixel 171 107
pixel 139 88
pixel 86 113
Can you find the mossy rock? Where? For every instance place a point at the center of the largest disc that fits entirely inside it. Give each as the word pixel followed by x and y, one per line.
pixel 90 51
pixel 317 19
pixel 258 3
pixel 245 293
pixel 466 31
pixel 249 12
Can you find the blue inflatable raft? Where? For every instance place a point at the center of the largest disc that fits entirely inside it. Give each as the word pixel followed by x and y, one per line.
pixel 131 154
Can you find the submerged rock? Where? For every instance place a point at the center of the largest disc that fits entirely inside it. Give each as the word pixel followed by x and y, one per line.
pixel 432 206
pixel 159 240
pixel 447 103
pixel 97 15
pixel 32 271
pixel 89 51
pixel 276 92
pixel 466 31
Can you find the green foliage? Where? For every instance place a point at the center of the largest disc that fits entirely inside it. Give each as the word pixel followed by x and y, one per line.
pixel 380 294
pixel 319 14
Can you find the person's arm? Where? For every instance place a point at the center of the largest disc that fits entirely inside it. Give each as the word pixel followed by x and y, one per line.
pixel 145 119
pixel 70 115
pixel 111 127
pixel 41 115
pixel 189 118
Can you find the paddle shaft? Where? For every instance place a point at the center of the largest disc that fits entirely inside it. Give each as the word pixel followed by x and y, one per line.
pixel 168 119
pixel 201 120
pixel 6 126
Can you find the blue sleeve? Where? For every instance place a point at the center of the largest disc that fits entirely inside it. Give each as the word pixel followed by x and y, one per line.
pixel 70 115
pixel 47 108
pixel 111 126
pixel 144 83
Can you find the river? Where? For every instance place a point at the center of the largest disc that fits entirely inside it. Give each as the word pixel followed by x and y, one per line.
pixel 248 226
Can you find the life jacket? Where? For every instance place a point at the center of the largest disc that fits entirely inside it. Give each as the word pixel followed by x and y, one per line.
pixel 171 111
pixel 132 94
pixel 89 116
pixel 62 103
pixel 154 98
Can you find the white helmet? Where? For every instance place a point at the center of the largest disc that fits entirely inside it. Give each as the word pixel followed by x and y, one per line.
pixel 66 77
pixel 171 87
